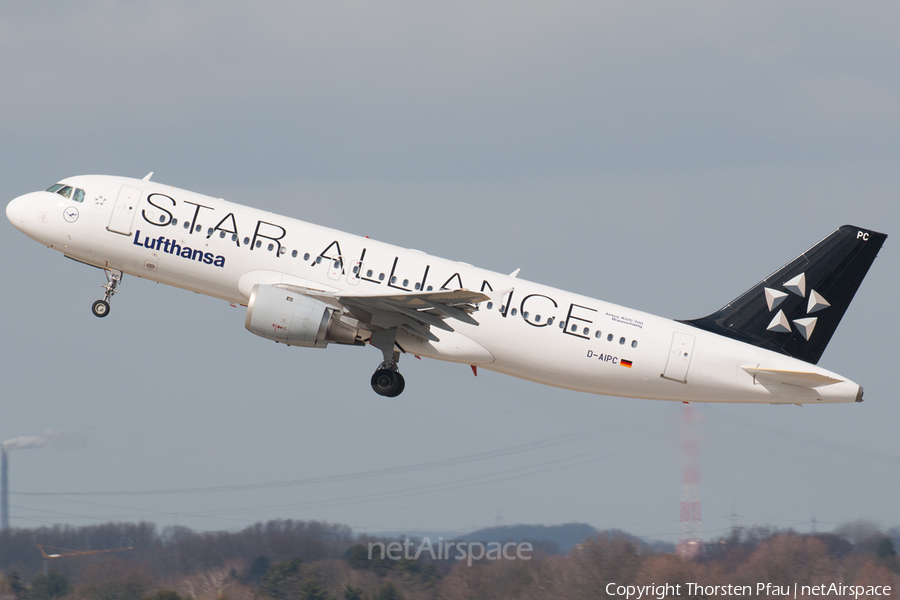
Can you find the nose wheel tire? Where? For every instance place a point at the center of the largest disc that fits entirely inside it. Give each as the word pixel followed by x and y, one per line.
pixel 100 308
pixel 388 383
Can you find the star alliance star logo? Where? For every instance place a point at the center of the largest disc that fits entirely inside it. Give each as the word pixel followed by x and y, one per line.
pixel 796 285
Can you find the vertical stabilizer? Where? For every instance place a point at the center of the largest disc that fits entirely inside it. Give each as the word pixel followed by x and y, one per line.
pixel 796 310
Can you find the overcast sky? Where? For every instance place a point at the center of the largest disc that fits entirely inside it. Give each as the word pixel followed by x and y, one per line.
pixel 664 156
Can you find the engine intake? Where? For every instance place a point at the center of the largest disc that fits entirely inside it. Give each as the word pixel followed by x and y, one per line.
pixel 295 319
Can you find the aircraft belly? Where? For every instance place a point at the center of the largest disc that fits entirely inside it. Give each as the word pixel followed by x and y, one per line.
pixel 452 347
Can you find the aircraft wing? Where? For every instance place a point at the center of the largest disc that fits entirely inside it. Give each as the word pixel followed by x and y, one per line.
pixel 416 313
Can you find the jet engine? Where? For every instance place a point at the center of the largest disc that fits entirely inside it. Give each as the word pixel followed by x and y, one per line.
pixel 295 319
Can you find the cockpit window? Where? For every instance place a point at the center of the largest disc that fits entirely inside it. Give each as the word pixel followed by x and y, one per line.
pixel 66 191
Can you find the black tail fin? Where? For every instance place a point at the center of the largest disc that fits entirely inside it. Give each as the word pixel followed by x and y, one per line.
pixel 796 310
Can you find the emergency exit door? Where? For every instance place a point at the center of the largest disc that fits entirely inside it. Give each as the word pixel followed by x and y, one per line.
pixel 680 354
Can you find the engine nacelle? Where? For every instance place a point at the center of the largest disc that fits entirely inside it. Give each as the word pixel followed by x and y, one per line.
pixel 295 319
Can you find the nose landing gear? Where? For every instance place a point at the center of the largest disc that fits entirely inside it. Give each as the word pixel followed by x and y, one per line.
pixel 100 308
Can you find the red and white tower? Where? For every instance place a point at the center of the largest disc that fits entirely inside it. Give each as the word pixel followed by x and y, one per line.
pixel 690 542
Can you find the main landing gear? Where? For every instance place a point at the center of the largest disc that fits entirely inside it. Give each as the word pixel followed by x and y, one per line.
pixel 387 380
pixel 100 308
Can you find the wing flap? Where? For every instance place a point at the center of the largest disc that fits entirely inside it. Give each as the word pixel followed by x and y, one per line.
pixel 419 300
pixel 419 315
pixel 416 312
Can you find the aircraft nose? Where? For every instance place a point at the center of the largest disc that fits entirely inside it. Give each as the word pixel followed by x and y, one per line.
pixel 15 212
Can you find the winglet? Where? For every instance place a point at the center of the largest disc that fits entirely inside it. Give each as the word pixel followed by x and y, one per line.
pixel 515 273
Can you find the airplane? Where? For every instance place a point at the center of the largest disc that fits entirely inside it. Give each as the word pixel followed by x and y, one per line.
pixel 310 286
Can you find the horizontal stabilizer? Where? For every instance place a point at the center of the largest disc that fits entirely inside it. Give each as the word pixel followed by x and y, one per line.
pixel 808 379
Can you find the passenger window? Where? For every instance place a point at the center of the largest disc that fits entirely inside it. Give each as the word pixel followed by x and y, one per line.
pixel 609 338
pixel 622 341
pixel 406 283
pixel 634 343
pixel 271 247
pixel 210 231
pixel 369 273
pixel 294 254
pixel 162 218
pixel 221 233
pixel 173 222
pixel 188 226
pixel 381 277
pixel 537 318
pixel 490 305
pixel 246 239
pixel 418 286
pixel 597 334
pixel 79 197
pixel 306 256
pixel 258 243
pixel 198 228
pixel 513 312
pixel 429 288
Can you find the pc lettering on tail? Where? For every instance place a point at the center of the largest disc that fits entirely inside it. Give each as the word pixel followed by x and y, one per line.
pixel 311 286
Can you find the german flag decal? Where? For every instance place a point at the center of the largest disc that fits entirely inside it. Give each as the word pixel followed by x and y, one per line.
pixel 625 363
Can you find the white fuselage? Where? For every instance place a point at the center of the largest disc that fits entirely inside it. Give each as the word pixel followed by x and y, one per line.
pixel 527 330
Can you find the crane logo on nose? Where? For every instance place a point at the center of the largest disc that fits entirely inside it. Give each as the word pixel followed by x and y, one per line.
pixel 70 214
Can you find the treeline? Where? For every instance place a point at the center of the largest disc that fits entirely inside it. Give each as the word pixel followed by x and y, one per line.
pixel 175 550
pixel 286 560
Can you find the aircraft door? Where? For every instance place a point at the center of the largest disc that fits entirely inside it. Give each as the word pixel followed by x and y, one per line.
pixel 680 355
pixel 124 210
